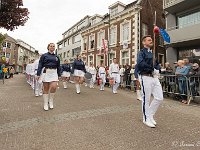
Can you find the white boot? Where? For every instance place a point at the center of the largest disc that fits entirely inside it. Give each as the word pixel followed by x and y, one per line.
pixel 149 123
pixel 139 95
pixel 153 121
pixel 65 85
pixel 51 98
pixel 36 93
pixel 78 89
pixel 46 97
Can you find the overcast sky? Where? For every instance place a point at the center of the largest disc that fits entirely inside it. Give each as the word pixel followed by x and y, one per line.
pixel 48 19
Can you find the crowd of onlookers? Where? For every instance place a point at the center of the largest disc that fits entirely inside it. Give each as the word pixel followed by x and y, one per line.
pixel 6 72
pixel 186 77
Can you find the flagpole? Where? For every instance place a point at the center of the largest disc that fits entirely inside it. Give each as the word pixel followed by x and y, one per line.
pixel 154 39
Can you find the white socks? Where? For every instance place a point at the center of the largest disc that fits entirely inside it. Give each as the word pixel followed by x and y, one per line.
pixel 78 90
pixel 65 85
pixel 46 97
pixel 51 98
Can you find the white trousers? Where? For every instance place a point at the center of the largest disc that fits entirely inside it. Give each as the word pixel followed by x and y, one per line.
pixel 103 78
pixel 150 86
pixel 92 80
pixel 116 78
pixel 38 87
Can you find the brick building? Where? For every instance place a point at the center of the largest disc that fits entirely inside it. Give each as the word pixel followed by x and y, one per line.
pixel 123 27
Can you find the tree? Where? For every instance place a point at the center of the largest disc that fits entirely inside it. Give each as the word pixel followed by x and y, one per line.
pixel 12 14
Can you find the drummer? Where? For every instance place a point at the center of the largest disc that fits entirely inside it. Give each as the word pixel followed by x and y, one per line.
pixel 65 70
pixel 102 76
pixel 78 69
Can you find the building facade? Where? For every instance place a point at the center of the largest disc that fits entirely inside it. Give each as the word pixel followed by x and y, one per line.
pixel 9 51
pixel 122 28
pixel 70 45
pixel 183 26
pixel 25 55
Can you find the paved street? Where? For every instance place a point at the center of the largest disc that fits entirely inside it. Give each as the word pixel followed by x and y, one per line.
pixel 93 120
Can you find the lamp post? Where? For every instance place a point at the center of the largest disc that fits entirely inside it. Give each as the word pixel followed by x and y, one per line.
pixel 108 57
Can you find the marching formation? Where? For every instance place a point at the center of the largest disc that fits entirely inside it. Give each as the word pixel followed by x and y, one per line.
pixel 43 76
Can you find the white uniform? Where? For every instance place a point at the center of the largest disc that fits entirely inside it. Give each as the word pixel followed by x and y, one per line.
pixel 32 73
pixel 114 73
pixel 38 83
pixel 86 80
pixel 102 76
pixel 28 73
pixel 93 71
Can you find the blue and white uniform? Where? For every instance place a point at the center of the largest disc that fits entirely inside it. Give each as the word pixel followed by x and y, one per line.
pixel 49 67
pixel 150 85
pixel 78 68
pixel 66 70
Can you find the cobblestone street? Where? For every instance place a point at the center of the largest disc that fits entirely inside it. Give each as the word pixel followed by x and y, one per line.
pixel 93 120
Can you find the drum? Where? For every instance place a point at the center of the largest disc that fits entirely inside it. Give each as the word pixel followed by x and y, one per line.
pixel 88 75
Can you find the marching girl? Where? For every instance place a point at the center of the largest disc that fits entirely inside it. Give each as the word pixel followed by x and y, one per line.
pixel 102 76
pixel 38 83
pixel 49 71
pixel 93 71
pixel 65 70
pixel 78 69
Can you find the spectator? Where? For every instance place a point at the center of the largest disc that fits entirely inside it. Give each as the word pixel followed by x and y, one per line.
pixel 194 82
pixel 127 75
pixel 187 63
pixel 121 73
pixel 168 69
pixel 181 72
pixel 12 71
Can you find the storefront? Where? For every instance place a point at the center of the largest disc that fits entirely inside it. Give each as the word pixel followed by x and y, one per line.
pixel 193 54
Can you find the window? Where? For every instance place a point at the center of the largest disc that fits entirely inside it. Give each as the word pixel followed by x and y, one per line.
pixel 111 56
pixel 90 60
pixel 85 44
pixel 144 29
pixel 77 38
pixel 114 11
pixel 93 21
pixel 100 59
pixel 161 59
pixel 68 41
pixel 113 35
pixel 188 20
pixel 64 55
pixel 126 32
pixel 4 44
pixel 100 38
pixel 92 40
pixel 65 43
pixel 59 46
pixel 125 58
pixel 8 45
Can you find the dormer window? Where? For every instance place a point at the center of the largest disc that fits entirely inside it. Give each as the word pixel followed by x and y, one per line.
pixel 93 21
pixel 114 11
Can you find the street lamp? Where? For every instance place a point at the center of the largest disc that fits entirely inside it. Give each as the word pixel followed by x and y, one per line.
pixel 108 39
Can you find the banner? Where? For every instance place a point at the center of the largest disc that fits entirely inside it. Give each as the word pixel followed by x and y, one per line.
pixel 105 46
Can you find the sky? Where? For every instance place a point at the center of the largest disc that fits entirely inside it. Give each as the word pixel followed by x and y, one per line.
pixel 48 19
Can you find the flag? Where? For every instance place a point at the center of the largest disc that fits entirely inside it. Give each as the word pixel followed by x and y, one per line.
pixel 165 35
pixel 105 46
